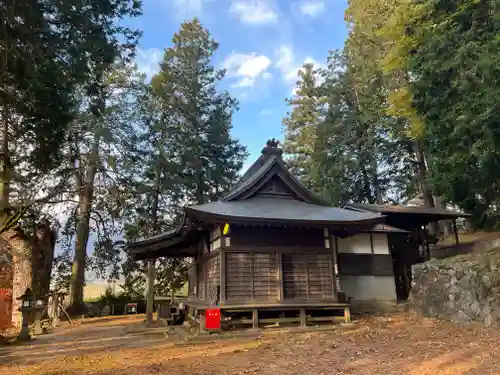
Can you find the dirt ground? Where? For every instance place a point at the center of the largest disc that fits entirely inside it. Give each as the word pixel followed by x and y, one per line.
pixel 397 344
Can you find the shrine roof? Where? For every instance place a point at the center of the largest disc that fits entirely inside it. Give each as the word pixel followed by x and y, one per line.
pixel 279 210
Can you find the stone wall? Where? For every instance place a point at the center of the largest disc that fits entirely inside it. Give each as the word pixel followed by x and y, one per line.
pixel 463 289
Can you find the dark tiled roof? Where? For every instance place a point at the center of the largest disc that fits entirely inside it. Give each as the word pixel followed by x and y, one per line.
pixel 156 238
pixel 416 210
pixel 250 178
pixel 258 174
pixel 384 228
pixel 286 210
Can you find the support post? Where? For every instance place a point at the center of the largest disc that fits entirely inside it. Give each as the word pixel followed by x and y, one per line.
pixel 347 315
pixel 255 319
pixel 455 231
pixel 222 268
pixel 151 291
pixel 202 321
pixel 333 246
pixel 303 319
pixel 281 291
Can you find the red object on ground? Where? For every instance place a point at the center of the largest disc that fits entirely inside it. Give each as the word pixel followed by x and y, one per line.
pixel 212 319
pixel 5 308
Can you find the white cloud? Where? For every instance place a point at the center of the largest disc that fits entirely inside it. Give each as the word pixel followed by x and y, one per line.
pixel 266 112
pixel 254 11
pixel 148 61
pixel 191 7
pixel 286 63
pixel 247 68
pixel 312 8
pixel 290 65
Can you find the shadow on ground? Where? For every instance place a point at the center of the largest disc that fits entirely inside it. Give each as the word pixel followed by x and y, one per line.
pixel 402 344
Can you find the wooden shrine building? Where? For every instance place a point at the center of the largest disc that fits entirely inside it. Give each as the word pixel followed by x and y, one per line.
pixel 287 256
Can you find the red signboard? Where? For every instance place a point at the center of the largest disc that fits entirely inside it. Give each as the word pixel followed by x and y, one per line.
pixel 5 308
pixel 5 294
pixel 212 319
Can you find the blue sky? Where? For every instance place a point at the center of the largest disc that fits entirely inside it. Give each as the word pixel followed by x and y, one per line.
pixel 262 45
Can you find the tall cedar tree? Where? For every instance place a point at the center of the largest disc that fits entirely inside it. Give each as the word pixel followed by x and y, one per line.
pixel 455 90
pixel 370 48
pixel 50 50
pixel 208 158
pixel 350 141
pixel 191 155
pixel 300 125
pixel 101 146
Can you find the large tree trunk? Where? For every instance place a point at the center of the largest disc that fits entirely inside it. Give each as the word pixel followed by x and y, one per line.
pixel 425 189
pixel 5 173
pixel 23 269
pixel 43 256
pixel 85 196
pixel 151 262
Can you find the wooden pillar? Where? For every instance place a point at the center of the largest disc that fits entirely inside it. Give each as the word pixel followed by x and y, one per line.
pixel 281 291
pixel 303 318
pixel 151 291
pixel 255 318
pixel 455 231
pixel 333 246
pixel 347 314
pixel 372 249
pixel 222 263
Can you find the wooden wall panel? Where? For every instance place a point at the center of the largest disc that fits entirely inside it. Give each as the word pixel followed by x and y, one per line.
pixel 280 237
pixel 239 276
pixel 213 277
pixel 295 276
pixel 265 277
pixel 252 276
pixel 320 275
pixel 307 276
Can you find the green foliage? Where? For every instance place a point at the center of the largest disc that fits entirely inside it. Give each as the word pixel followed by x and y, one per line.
pixel 185 153
pixel 301 123
pixel 342 142
pixel 49 49
pixel 111 298
pixel 455 91
pixel 199 117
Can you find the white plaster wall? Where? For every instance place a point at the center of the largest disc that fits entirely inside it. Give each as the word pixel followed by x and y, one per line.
pixel 358 244
pixel 216 244
pixel 380 245
pixel 368 288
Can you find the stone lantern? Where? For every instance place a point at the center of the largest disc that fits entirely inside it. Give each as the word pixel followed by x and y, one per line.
pixel 30 306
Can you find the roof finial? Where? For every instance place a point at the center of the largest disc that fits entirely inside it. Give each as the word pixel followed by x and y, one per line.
pixel 273 142
pixel 272 148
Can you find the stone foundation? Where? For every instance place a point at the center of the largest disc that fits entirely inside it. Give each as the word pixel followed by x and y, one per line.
pixel 463 289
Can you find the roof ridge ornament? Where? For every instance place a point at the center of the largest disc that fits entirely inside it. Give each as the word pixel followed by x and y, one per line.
pixel 273 142
pixel 272 148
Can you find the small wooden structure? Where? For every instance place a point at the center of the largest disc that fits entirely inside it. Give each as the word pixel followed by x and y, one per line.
pixel 285 254
pixel 409 250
